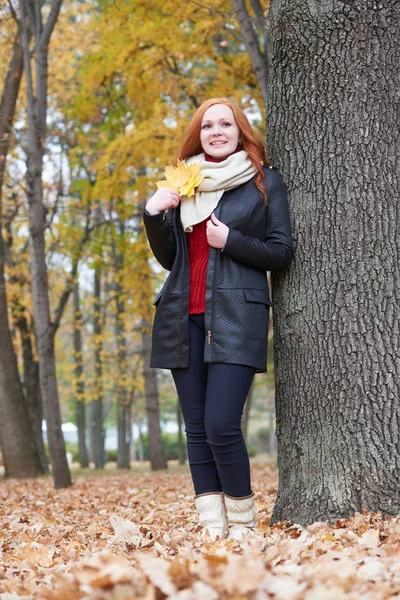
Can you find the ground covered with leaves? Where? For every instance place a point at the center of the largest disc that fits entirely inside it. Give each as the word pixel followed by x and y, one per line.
pixel 135 535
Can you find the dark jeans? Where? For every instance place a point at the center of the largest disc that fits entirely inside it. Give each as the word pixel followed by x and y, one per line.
pixel 212 397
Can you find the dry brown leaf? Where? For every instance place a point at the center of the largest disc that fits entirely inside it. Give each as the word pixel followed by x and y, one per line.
pixel 125 531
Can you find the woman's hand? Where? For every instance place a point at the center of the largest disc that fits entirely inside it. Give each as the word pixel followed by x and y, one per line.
pixel 163 199
pixel 217 232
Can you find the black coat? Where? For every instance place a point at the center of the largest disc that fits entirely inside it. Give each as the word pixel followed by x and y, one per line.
pixel 237 296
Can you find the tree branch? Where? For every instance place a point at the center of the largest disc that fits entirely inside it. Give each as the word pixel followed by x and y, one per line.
pixel 211 9
pixel 13 12
pixel 8 101
pixel 27 65
pixel 258 60
pixel 72 276
pixel 50 23
pixel 258 11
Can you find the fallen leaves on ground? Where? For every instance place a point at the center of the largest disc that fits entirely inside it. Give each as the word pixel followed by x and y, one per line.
pixel 132 536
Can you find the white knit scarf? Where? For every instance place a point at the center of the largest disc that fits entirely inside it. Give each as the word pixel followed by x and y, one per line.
pixel 218 178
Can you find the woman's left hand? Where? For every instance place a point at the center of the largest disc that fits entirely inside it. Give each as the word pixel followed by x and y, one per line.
pixel 217 232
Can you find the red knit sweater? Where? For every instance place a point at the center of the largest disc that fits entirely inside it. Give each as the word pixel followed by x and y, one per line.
pixel 198 250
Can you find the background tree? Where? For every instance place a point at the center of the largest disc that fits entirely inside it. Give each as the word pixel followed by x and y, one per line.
pixel 20 453
pixel 79 381
pixel 333 132
pixel 133 136
pixel 111 129
pixel 36 86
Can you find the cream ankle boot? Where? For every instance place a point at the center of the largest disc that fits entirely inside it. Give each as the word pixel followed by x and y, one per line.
pixel 240 515
pixel 211 510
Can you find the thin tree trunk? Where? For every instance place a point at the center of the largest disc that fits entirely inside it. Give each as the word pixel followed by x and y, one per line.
pixel 90 416
pixel 97 403
pixel 80 405
pixel 123 407
pixel 123 404
pixel 333 131
pixel 141 445
pixel 156 450
pixel 20 455
pixel 37 109
pixel 181 444
pixel 132 444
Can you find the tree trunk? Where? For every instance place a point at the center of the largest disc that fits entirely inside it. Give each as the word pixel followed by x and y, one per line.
pixel 122 396
pixel 181 444
pixel 132 441
pixel 333 132
pixel 31 381
pixel 20 456
pixel 97 404
pixel 37 109
pixel 140 441
pixel 156 450
pixel 123 406
pixel 80 405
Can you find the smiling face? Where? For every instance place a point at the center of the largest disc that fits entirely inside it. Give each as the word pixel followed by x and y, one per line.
pixel 219 134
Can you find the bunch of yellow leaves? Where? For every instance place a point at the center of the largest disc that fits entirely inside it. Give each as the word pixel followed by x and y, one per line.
pixel 183 178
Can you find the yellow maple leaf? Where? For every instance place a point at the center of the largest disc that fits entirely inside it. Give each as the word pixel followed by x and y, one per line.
pixel 194 180
pixel 183 178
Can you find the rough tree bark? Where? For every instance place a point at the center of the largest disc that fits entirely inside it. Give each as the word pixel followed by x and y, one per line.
pixel 156 449
pixel 21 458
pixel 80 405
pixel 37 110
pixel 333 132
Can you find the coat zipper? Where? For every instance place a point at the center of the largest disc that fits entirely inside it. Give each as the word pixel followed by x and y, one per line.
pixel 209 332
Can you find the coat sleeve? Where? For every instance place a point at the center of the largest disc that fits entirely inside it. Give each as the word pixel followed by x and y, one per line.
pixel 161 237
pixel 275 251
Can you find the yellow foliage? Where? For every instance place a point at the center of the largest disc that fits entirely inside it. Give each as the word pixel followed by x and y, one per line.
pixel 123 83
pixel 183 178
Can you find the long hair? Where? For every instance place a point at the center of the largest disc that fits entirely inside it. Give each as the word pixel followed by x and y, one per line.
pixel 249 141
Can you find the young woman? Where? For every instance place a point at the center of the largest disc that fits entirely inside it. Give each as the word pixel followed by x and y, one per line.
pixel 211 322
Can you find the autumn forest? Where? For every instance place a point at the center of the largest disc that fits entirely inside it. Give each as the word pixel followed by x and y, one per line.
pixel 95 100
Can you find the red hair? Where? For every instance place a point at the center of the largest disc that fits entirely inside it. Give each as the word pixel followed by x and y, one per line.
pixel 249 141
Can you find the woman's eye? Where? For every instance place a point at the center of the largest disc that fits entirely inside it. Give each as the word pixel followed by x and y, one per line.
pixel 226 124
pixel 206 126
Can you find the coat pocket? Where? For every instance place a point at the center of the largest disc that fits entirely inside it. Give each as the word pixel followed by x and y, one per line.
pixel 254 295
pixel 157 298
